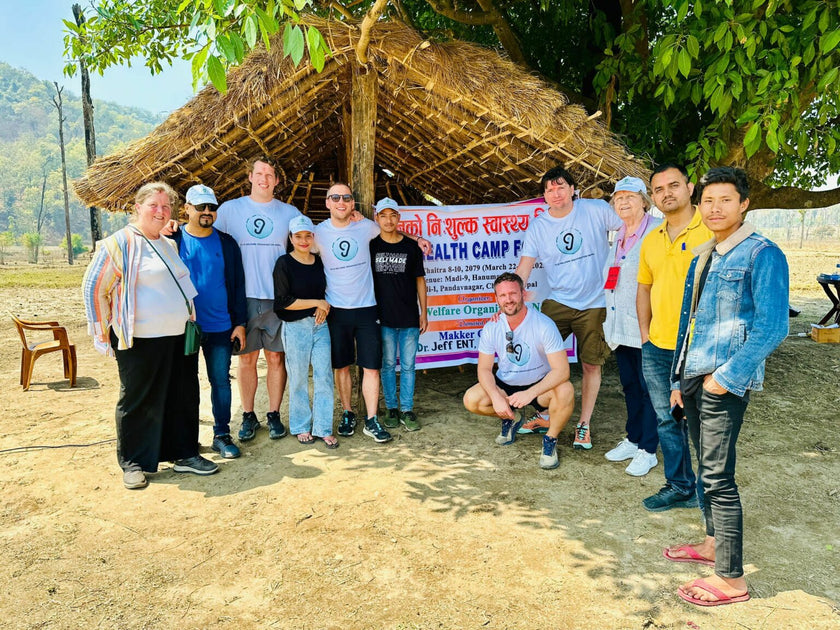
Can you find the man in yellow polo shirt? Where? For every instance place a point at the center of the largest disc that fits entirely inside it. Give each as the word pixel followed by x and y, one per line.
pixel 664 260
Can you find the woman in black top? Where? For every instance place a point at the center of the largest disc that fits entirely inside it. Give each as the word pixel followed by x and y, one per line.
pixel 299 290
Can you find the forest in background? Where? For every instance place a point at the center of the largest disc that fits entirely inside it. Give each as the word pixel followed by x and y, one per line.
pixel 31 194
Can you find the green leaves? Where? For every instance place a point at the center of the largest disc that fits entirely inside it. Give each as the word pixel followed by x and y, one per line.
pixel 293 43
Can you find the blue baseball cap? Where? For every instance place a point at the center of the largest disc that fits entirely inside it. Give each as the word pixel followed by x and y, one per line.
pixel 386 203
pixel 301 223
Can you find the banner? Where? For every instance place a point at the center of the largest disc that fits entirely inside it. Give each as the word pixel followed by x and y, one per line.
pixel 471 247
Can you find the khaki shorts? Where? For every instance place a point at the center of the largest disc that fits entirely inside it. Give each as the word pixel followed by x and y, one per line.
pixel 263 328
pixel 587 326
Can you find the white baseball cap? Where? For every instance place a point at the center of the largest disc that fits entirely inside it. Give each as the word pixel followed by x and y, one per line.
pixel 301 223
pixel 200 194
pixel 386 203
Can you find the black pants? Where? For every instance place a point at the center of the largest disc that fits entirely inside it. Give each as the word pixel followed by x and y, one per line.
pixel 714 422
pixel 157 412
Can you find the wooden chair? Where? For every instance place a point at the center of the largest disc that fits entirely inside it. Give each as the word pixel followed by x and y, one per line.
pixel 32 350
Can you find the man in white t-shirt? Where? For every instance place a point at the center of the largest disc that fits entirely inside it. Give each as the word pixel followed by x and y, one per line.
pixel 260 225
pixel 571 242
pixel 533 369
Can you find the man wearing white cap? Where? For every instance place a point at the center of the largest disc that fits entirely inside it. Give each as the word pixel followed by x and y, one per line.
pixel 400 285
pixel 215 266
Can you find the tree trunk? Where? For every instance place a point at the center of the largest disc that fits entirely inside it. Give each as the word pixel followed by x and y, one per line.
pixel 90 134
pixel 363 137
pixel 58 105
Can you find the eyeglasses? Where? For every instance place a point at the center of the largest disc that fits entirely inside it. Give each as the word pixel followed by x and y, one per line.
pixel 205 207
pixel 336 198
pixel 509 338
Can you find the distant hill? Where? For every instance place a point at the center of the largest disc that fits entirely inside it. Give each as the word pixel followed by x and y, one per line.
pixel 29 151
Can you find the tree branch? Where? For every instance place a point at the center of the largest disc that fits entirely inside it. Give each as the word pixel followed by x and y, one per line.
pixel 788 197
pixel 364 39
pixel 445 8
pixel 507 38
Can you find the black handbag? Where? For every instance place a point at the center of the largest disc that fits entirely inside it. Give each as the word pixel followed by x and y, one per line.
pixel 192 331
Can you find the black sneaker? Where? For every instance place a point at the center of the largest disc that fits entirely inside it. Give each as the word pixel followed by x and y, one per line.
pixel 376 431
pixel 250 424
pixel 392 419
pixel 276 430
pixel 347 426
pixel 225 447
pixel 669 497
pixel 196 465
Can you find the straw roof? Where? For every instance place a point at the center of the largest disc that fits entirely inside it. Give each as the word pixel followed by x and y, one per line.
pixel 454 121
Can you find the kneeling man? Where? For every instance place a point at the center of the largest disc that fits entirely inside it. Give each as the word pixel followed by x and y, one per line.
pixel 533 369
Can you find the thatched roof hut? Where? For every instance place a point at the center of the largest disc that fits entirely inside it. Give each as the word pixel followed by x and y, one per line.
pixel 453 120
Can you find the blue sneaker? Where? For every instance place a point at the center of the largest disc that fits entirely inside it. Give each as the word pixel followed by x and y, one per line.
pixel 250 424
pixel 347 426
pixel 509 430
pixel 276 430
pixel 548 458
pixel 376 431
pixel 224 446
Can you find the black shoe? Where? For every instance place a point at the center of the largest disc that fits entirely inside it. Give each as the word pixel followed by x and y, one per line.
pixel 376 431
pixel 250 424
pixel 392 419
pixel 196 465
pixel 669 497
pixel 347 426
pixel 225 447
pixel 276 430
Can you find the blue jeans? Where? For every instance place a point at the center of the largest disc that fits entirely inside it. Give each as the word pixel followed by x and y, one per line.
pixel 673 436
pixel 309 344
pixel 714 422
pixel 405 340
pixel 641 424
pixel 217 350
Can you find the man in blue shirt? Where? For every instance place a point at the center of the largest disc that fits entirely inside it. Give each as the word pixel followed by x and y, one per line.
pixel 216 270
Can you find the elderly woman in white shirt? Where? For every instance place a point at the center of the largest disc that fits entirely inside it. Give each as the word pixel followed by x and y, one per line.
pixel 138 298
pixel 621 327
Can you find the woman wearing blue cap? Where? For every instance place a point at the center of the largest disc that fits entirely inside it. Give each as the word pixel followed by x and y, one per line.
pixel 300 287
pixel 621 327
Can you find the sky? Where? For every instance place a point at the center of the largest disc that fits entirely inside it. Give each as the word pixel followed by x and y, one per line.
pixel 32 37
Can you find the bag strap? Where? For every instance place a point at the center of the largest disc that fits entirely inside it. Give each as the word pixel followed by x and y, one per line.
pixel 163 260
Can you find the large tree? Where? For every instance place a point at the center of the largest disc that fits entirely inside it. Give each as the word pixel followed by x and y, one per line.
pixel 753 83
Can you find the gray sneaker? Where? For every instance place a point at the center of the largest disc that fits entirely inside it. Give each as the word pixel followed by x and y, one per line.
pixel 509 429
pixel 134 479
pixel 548 457
pixel 197 465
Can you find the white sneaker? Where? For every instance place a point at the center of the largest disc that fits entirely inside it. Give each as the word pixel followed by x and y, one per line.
pixel 625 450
pixel 641 464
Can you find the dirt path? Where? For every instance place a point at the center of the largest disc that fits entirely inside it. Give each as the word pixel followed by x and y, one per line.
pixel 439 529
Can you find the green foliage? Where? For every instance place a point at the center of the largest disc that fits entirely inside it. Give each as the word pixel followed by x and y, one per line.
pixel 78 245
pixel 214 34
pixel 32 242
pixel 29 150
pixel 7 239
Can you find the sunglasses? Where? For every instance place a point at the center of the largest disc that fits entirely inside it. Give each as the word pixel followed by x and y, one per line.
pixel 509 338
pixel 337 198
pixel 205 207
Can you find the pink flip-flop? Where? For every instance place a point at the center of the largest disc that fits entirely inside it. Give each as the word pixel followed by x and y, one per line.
pixel 693 556
pixel 722 598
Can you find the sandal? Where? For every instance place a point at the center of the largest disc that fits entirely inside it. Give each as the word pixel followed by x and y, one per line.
pixel 305 438
pixel 329 441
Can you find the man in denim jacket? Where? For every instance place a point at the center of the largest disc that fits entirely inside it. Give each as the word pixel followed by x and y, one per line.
pixel 734 314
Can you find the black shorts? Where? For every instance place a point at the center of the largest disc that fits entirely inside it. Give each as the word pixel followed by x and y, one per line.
pixel 352 331
pixel 512 389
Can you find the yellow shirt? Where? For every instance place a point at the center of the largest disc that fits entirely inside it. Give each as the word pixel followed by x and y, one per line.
pixel 663 264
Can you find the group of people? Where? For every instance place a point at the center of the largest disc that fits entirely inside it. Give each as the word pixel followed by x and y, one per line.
pixel 691 306
pixel 248 274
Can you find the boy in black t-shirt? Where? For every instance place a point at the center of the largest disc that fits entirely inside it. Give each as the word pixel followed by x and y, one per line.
pixel 400 284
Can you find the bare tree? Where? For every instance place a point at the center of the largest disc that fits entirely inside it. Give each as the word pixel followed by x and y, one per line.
pixel 90 135
pixel 57 101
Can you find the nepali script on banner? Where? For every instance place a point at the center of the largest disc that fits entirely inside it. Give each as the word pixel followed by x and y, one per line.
pixel 472 245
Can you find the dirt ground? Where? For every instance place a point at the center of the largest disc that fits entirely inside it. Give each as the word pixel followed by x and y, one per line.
pixel 438 529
